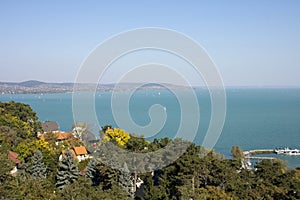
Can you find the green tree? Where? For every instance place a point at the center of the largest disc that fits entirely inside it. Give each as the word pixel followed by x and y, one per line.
pixel 126 181
pixel 92 172
pixel 137 144
pixel 19 188
pixel 237 153
pixel 68 170
pixel 8 137
pixel 109 177
pixel 22 112
pixel 22 128
pixel 26 149
pixel 38 169
pixel 5 165
pixel 269 171
pixel 152 190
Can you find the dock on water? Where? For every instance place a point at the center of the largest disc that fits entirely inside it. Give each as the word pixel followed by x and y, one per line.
pixel 248 154
pixel 260 158
pixel 258 151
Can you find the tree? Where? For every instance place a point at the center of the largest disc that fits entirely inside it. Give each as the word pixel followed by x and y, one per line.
pixel 92 172
pixel 22 128
pixel 5 165
pixel 68 170
pixel 106 127
pixel 137 144
pixel 269 171
pixel 237 153
pixel 22 112
pixel 126 181
pixel 117 135
pixel 152 191
pixel 26 149
pixel 82 190
pixel 27 188
pixel 103 130
pixel 109 177
pixel 82 131
pixel 8 137
pixel 38 169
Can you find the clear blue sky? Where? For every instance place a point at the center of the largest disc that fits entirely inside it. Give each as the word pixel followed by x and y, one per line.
pixel 253 42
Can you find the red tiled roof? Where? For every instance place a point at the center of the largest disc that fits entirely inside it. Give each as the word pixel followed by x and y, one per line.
pixel 80 150
pixel 14 157
pixel 63 135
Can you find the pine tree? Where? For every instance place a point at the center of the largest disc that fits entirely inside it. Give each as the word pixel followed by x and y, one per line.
pixel 68 170
pixel 38 169
pixel 126 181
pixel 23 169
pixel 90 169
pixel 92 172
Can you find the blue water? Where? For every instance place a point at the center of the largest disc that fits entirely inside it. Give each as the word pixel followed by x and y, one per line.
pixel 255 119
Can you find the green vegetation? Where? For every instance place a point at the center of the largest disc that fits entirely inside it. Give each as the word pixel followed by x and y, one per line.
pixel 237 153
pixel 197 174
pixel 38 169
pixel 21 112
pixel 126 181
pixel 93 173
pixel 68 171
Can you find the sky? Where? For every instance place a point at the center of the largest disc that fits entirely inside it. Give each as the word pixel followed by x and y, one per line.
pixel 252 42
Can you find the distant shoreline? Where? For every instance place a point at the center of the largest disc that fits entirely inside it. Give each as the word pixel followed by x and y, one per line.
pixel 38 87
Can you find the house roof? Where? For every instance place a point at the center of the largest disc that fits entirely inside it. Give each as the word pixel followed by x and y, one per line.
pixel 80 150
pixel 50 126
pixel 14 157
pixel 76 151
pixel 63 135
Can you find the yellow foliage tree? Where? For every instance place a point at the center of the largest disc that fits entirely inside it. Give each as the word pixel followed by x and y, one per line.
pixel 117 135
pixel 26 149
pixel 22 128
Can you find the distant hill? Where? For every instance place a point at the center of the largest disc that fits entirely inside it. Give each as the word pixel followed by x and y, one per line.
pixel 34 86
pixel 31 83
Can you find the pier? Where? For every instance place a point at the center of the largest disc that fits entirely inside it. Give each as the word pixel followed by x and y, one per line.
pixel 248 154
pixel 258 151
pixel 260 158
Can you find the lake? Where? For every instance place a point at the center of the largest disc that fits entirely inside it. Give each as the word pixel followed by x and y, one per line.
pixel 255 119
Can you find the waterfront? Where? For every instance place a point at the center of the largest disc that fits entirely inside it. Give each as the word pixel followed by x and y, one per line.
pixel 256 118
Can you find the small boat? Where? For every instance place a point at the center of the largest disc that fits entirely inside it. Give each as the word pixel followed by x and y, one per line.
pixel 249 163
pixel 288 151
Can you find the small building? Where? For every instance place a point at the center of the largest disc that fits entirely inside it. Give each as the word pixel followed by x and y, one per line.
pixel 63 136
pixel 50 126
pixel 13 156
pixel 80 153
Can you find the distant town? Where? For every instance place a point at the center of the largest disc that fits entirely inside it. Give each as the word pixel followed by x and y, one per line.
pixel 34 86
